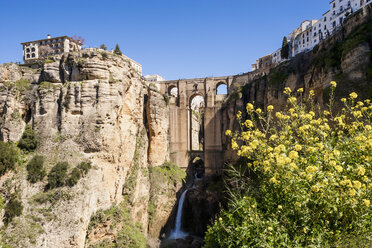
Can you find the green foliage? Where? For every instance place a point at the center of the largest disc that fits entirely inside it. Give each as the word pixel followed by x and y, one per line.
pixel 74 177
pixel 307 177
pixel 2 203
pixel 8 157
pixel 52 196
pixel 103 46
pixel 12 209
pixel 35 169
pixel 284 53
pixel 128 234
pixel 58 175
pixel 277 75
pixel 48 61
pixel 28 141
pixel 104 55
pixel 117 50
pixel 84 167
pixel 47 85
pixel 22 85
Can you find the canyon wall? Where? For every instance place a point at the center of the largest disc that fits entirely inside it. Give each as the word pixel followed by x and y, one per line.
pixel 86 106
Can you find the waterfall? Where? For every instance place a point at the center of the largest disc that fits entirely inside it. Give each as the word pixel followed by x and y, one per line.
pixel 177 232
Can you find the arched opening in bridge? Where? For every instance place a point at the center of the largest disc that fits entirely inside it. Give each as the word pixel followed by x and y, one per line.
pixel 173 91
pixel 196 123
pixel 221 89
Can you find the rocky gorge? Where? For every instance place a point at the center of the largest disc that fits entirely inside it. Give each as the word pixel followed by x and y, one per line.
pixel 94 107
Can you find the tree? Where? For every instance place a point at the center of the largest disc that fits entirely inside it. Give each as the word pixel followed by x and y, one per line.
pixel 104 47
pixel 45 51
pixel 13 208
pixel 35 169
pixel 28 140
pixel 79 39
pixel 284 53
pixel 8 157
pixel 117 50
pixel 57 175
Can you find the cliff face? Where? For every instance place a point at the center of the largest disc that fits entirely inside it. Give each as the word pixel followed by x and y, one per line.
pixel 83 106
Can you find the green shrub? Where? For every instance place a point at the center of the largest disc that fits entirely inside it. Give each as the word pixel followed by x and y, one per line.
pixel 84 167
pixel 314 173
pixel 47 85
pixel 58 175
pixel 28 141
pixel 35 169
pixel 13 208
pixel 8 157
pixel 48 61
pixel 74 177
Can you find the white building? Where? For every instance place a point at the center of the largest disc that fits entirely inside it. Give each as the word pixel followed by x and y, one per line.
pixel 154 78
pixel 310 33
pixel 40 49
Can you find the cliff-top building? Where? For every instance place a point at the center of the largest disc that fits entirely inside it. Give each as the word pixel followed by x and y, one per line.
pixel 40 49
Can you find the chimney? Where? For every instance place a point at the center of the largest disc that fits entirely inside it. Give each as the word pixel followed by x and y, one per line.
pixel 48 36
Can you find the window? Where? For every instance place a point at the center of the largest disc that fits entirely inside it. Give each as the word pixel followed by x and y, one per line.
pixel 33 55
pixel 334 24
pixel 334 12
pixel 325 19
pixel 28 50
pixel 341 20
pixel 325 27
pixel 334 5
pixel 28 56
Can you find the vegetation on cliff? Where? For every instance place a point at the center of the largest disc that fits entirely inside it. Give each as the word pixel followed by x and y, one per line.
pixel 312 170
pixel 28 141
pixel 8 157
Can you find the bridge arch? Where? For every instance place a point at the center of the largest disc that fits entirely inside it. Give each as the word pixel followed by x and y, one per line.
pixel 221 88
pixel 196 120
pixel 173 90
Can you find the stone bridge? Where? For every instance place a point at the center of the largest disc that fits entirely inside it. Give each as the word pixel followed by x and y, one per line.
pixel 195 119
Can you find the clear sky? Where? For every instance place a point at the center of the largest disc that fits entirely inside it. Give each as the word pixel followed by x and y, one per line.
pixel 173 38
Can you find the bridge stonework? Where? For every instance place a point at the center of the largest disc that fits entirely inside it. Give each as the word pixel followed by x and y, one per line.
pixel 181 115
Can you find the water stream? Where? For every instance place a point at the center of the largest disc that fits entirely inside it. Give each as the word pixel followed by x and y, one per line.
pixel 177 233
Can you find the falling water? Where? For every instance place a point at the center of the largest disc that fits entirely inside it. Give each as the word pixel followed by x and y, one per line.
pixel 177 232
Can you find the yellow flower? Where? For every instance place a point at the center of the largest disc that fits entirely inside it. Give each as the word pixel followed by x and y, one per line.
pixel 357 184
pixel 258 111
pixel 300 90
pixel 234 145
pixel 248 123
pixel 366 202
pixel 336 153
pixel 280 207
pixel 325 112
pixel 287 90
pixel 292 100
pixel 228 133
pixel 298 147
pixel 239 115
pixel 293 155
pixel 343 99
pixel 311 93
pixel 361 171
pixel 309 177
pixel 250 107
pixel 352 192
pixel 339 168
pixel 311 169
pixel 293 166
pixel 220 219
pixel 353 95
pixel 298 204
pixel 315 188
pixel 334 84
pixel 270 228
pixel 270 108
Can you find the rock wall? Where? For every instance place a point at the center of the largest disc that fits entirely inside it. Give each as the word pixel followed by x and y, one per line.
pixel 83 106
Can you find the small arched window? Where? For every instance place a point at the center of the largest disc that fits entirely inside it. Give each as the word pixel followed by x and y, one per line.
pixel 28 56
pixel 28 50
pixel 221 89
pixel 33 55
pixel 173 91
pixel 33 49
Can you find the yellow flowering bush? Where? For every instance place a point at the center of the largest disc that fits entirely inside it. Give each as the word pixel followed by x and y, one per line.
pixel 314 172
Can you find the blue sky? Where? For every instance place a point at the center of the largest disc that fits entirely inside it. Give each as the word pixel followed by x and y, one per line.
pixel 173 38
